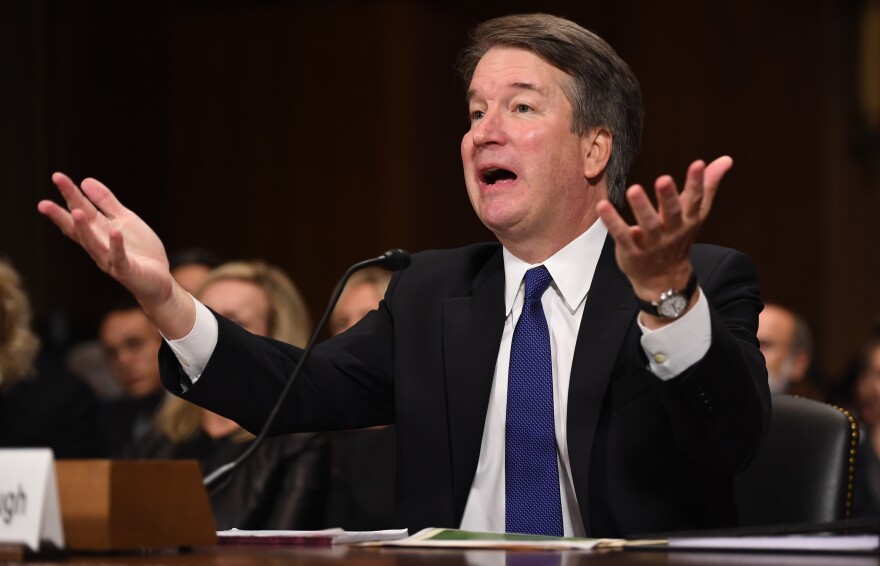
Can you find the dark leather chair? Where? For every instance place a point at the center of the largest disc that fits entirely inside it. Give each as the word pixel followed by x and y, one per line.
pixel 803 472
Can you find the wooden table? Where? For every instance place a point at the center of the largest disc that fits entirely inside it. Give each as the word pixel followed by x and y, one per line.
pixel 352 556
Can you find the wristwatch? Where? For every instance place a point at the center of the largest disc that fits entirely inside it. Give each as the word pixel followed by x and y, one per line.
pixel 673 302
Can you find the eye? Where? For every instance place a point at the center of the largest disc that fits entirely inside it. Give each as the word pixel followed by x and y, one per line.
pixel 476 115
pixel 133 344
pixel 523 108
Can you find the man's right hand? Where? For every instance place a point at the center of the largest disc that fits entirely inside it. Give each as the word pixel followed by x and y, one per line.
pixel 124 247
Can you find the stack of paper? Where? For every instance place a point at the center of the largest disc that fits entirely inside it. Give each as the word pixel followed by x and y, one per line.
pixel 453 538
pixel 793 543
pixel 325 537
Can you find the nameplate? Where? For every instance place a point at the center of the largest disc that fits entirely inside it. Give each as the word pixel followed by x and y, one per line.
pixel 29 498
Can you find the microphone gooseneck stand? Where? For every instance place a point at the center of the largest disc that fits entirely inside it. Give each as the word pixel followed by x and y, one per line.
pixel 392 260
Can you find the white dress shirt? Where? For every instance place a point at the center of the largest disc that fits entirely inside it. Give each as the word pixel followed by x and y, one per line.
pixel 679 345
pixel 670 350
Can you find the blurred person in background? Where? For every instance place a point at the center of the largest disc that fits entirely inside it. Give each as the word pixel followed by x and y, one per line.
pixel 190 267
pixel 284 484
pixel 40 404
pixel 363 461
pixel 131 348
pixel 87 359
pixel 866 499
pixel 842 390
pixel 362 294
pixel 787 345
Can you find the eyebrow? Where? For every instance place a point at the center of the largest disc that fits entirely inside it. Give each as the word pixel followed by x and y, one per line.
pixel 515 85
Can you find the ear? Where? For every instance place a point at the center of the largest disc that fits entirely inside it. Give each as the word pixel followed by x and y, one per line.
pixel 596 148
pixel 800 366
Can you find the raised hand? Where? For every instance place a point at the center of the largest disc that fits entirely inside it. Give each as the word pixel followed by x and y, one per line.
pixel 123 246
pixel 654 253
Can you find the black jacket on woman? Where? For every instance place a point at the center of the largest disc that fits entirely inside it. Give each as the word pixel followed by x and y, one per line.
pixel 282 486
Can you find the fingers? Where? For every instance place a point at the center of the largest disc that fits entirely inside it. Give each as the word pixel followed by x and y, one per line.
pixel 693 193
pixel 617 226
pixel 72 194
pixel 712 177
pixel 118 257
pixel 59 216
pixel 91 197
pixel 87 237
pixel 674 211
pixel 108 252
pixel 651 223
pixel 74 199
pixel 103 199
pixel 668 202
pixel 716 170
pixel 64 184
pixel 646 216
pixel 654 252
pixel 701 186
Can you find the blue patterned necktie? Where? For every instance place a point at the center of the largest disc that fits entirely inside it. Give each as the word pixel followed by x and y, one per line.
pixel 531 476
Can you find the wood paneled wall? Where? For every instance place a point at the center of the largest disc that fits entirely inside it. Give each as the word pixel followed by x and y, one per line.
pixel 314 134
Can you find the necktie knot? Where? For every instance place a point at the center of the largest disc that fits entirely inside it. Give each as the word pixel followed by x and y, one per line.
pixel 537 281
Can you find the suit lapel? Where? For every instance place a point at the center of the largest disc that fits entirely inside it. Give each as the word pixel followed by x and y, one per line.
pixel 608 314
pixel 472 328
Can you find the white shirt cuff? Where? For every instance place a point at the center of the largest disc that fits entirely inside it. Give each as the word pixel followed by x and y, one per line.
pixel 194 350
pixel 677 346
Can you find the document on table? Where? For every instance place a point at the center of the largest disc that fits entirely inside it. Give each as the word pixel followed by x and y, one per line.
pixel 791 543
pixel 326 537
pixel 454 538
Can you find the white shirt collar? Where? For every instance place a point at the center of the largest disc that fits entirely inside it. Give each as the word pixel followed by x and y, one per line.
pixel 572 268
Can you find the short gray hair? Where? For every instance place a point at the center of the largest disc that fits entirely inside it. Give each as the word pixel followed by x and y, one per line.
pixel 603 92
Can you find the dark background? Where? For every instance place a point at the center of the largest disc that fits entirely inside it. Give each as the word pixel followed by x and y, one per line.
pixel 317 133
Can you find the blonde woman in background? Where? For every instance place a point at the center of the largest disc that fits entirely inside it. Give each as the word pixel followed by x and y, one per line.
pixel 363 462
pixel 362 293
pixel 283 485
pixel 41 405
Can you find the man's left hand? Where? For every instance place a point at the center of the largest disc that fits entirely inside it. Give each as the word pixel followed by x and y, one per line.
pixel 655 252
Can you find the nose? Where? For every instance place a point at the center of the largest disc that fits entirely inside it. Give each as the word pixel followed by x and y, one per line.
pixel 121 363
pixel 125 357
pixel 489 130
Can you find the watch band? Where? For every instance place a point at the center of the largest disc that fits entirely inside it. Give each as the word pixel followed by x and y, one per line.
pixel 686 293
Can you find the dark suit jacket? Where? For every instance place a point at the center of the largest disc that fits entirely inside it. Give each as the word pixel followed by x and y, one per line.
pixel 126 422
pixel 50 409
pixel 646 455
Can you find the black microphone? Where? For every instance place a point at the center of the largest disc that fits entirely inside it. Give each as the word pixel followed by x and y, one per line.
pixel 392 260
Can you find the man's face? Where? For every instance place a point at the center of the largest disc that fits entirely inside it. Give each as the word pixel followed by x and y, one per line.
pixel 523 165
pixel 776 335
pixel 131 345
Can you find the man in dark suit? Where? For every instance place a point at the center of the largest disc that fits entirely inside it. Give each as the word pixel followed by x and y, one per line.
pixel 131 345
pixel 637 369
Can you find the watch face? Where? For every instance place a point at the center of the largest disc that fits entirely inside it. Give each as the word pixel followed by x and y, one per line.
pixel 672 306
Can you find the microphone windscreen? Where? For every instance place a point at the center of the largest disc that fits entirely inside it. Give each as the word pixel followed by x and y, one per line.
pixel 393 260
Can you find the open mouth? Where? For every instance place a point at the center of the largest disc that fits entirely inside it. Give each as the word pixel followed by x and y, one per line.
pixel 496 175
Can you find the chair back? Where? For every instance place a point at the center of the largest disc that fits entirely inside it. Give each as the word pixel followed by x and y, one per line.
pixel 803 472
